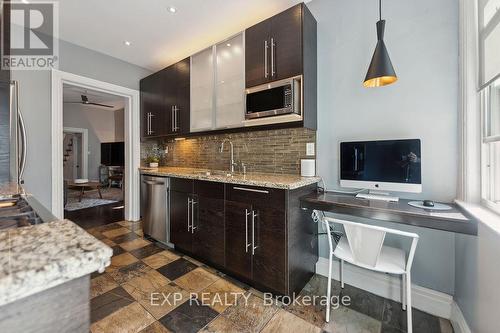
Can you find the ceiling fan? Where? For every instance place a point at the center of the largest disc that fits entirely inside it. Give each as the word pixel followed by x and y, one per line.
pixel 85 101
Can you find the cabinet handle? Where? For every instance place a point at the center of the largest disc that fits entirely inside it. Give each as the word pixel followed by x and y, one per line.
pixel 272 57
pixel 254 215
pixel 250 189
pixel 148 124
pixel 172 118
pixel 151 115
pixel 176 118
pixel 189 214
pixel 246 231
pixel 192 215
pixel 266 71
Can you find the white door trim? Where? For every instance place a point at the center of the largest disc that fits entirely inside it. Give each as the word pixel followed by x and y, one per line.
pixel 132 139
pixel 85 147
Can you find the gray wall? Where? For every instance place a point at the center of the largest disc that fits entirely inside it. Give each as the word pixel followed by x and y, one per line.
pixel 422 39
pixel 35 105
pixel 477 278
pixel 102 125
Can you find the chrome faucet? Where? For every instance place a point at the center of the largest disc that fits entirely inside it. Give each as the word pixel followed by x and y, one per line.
pixel 221 149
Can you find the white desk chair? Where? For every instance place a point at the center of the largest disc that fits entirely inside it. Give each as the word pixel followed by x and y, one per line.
pixel 364 247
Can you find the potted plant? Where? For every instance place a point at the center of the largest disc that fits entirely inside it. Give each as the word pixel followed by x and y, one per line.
pixel 153 157
pixel 152 161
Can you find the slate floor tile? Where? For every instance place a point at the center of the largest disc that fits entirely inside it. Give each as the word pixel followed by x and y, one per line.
pixel 251 315
pixel 101 284
pixel 109 302
pixel 126 273
pixel 146 251
pixel 131 319
pixel 160 259
pixel 177 268
pixel 284 322
pixel 189 317
pixel 155 327
pixel 363 301
pixel 125 237
pixel 117 250
pixel 134 244
pixel 395 317
pixel 115 232
pixel 196 280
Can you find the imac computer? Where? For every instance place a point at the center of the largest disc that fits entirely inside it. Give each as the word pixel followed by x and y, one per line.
pixel 383 166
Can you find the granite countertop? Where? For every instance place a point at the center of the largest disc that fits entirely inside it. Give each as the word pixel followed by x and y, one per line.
pixel 39 257
pixel 288 182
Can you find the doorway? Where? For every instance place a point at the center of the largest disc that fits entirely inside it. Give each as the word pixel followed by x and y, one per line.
pixel 92 97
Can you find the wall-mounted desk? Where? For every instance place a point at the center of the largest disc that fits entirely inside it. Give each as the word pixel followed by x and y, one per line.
pixel 454 220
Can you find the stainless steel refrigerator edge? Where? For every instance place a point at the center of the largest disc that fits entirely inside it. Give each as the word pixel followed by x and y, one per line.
pixel 155 207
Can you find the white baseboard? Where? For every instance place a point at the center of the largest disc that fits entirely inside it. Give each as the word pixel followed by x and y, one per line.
pixel 389 286
pixel 458 320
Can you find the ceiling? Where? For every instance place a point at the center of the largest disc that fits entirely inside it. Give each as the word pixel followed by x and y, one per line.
pixel 73 95
pixel 158 38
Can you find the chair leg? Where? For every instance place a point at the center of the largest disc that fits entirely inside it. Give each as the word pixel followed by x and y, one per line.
pixel 342 274
pixel 408 303
pixel 403 291
pixel 329 288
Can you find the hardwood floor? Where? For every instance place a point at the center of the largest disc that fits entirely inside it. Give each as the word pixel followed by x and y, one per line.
pixel 97 216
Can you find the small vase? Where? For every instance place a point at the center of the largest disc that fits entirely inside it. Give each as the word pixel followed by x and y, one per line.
pixel 153 164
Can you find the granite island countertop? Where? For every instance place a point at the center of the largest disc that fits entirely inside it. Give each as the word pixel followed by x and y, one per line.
pixel 42 256
pixel 281 181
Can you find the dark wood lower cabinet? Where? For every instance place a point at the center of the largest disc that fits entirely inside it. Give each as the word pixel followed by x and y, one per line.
pixel 238 239
pixel 180 235
pixel 259 235
pixel 208 222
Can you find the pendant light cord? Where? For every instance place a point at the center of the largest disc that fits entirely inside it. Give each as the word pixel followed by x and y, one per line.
pixel 380 10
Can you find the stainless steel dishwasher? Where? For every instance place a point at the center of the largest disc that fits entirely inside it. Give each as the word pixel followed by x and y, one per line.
pixel 155 207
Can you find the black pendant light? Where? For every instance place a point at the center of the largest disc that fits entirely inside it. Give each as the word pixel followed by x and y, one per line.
pixel 380 73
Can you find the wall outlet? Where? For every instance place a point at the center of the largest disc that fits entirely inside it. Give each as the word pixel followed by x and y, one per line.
pixel 310 149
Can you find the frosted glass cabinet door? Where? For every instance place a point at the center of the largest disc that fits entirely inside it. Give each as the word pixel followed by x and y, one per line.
pixel 202 90
pixel 230 83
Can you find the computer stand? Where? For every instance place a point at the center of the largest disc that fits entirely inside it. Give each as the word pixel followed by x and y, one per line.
pixel 376 195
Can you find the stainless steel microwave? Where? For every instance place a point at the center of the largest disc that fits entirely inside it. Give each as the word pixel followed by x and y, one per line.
pixel 274 98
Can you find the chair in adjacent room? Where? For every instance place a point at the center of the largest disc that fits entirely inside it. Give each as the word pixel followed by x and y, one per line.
pixel 363 246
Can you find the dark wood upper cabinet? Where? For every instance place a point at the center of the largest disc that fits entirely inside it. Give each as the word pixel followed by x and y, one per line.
pixel 274 47
pixel 257 54
pixel 286 44
pixel 165 101
pixel 152 105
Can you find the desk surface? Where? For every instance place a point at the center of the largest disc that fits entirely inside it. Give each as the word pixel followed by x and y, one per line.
pixel 454 220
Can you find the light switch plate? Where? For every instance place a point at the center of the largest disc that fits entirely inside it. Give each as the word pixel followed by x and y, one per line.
pixel 310 149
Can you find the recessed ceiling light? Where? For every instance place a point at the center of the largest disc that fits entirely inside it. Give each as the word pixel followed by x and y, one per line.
pixel 172 9
pixel 126 42
pixel 228 44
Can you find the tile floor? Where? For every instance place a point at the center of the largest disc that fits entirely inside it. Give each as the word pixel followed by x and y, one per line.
pixel 151 289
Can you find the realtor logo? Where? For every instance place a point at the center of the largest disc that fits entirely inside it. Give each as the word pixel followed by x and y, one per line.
pixel 33 36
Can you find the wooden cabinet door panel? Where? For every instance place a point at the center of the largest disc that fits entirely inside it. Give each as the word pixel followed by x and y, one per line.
pixel 182 96
pixel 180 236
pixel 238 254
pixel 256 54
pixel 286 37
pixel 269 259
pixel 208 236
